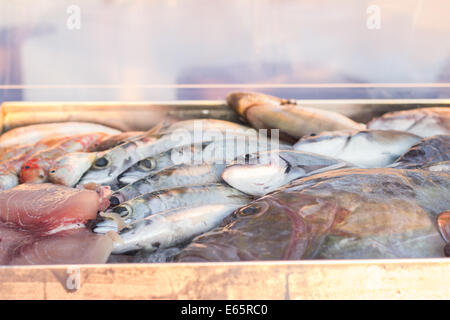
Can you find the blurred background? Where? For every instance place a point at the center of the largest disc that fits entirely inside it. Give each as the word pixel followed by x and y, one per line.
pixel 199 49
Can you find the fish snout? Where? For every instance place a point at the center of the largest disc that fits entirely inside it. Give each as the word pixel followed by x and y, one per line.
pixel 31 172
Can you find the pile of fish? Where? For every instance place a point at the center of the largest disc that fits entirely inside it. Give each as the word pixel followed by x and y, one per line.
pixel 298 183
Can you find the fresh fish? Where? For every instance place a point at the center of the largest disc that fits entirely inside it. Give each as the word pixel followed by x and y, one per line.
pixel 34 133
pixel 46 206
pixel 172 177
pixel 163 160
pixel 208 125
pixel 116 139
pixel 35 169
pixel 77 246
pixel 172 227
pixel 9 169
pixel 342 214
pixel 110 164
pixel 426 152
pixel 155 202
pixel 69 168
pixel 218 151
pixel 294 121
pixel 424 122
pixel 260 173
pixel 366 149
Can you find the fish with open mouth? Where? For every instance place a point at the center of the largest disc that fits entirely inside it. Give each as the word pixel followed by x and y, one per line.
pixel 171 177
pixel 427 152
pixel 341 214
pixel 260 173
pixel 366 148
pixel 424 122
pixel 293 121
pixel 155 202
pixel 110 164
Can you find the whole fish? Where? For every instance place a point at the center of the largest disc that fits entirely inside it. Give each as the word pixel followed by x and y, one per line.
pixel 424 122
pixel 68 169
pixel 35 169
pixel 9 169
pixel 366 148
pixel 155 202
pixel 260 173
pixel 342 214
pixel 294 121
pixel 425 153
pixel 110 164
pixel 172 177
pixel 34 133
pixel 172 227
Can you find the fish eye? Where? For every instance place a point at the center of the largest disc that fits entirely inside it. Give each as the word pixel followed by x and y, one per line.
pixel 124 211
pixel 250 210
pixel 52 171
pixel 147 164
pixel 102 163
pixel 313 134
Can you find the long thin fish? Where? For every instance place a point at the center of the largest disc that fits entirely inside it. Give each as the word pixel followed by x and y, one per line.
pixel 172 227
pixel 155 202
pixel 34 133
pixel 172 177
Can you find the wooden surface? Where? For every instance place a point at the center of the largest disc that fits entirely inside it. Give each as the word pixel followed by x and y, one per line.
pixel 360 279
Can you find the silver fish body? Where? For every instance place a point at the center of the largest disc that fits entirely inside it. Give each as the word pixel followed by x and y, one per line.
pixel 366 148
pixel 154 202
pixel 424 122
pixel 260 173
pixel 168 178
pixel 112 163
pixel 172 227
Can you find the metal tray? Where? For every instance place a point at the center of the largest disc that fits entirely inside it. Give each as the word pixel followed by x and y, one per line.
pixel 313 279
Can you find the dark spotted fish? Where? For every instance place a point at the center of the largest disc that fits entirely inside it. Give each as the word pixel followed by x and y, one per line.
pixel 343 214
pixel 425 153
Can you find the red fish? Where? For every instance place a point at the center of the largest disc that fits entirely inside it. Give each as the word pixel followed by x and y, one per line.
pixel 35 169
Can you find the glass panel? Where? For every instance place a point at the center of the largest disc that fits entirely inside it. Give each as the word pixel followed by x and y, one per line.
pixel 200 49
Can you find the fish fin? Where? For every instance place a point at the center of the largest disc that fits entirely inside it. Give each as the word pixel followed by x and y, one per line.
pixel 443 223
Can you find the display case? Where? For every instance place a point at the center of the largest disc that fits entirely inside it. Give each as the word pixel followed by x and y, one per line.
pixel 132 64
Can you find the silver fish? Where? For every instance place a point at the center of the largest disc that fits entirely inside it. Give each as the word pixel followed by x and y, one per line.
pixel 149 165
pixel 260 173
pixel 110 164
pixel 424 122
pixel 366 149
pixel 172 227
pixel 155 202
pixel 172 177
